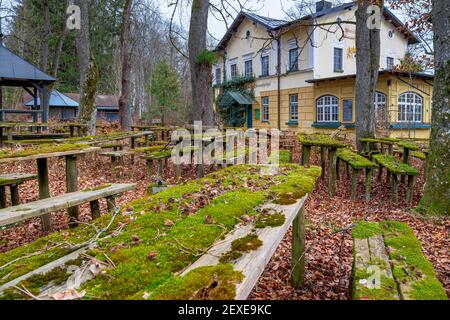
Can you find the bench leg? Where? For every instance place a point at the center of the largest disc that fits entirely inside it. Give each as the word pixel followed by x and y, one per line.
pixel 380 173
pixel 355 176
pixel 111 204
pixel 337 169
pixel 298 250
pixel 332 178
pixel 72 186
pixel 368 183
pixel 95 209
pixel 323 159
pixel 15 198
pixel 306 151
pixel 391 149
pixel 160 169
pixel 178 171
pixel 2 197
pixel 410 189
pixel 200 170
pixel 149 168
pixel 394 188
pixel 44 191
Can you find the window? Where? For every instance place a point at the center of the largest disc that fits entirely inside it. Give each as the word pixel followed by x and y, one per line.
pixel 379 100
pixel 247 34
pixel 248 68
pixel 265 108
pixel 338 59
pixel 218 76
pixel 264 66
pixel 410 107
pixel 293 107
pixel 293 59
pixel 328 109
pixel 347 110
pixel 391 34
pixel 389 63
pixel 234 71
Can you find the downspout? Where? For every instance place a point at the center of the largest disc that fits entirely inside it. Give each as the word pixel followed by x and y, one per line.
pixel 279 81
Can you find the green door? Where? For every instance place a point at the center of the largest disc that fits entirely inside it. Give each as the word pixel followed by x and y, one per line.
pixel 249 117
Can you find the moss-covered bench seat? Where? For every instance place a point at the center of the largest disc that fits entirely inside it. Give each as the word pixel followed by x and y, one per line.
pixel 358 163
pixel 389 264
pixel 385 144
pixel 39 208
pixel 395 169
pixel 144 249
pixel 13 181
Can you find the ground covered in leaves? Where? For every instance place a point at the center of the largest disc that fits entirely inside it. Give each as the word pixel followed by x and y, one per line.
pixel 329 222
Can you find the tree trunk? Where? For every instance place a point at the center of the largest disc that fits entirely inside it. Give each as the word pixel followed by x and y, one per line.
pixel 124 101
pixel 367 67
pixel 45 36
pixel 88 71
pixel 437 189
pixel 59 47
pixel 201 71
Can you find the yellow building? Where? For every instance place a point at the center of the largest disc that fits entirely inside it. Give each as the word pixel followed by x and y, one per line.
pixel 302 77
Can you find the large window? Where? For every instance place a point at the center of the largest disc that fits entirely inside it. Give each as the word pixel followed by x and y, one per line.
pixel 389 63
pixel 218 76
pixel 264 66
pixel 265 108
pixel 410 107
pixel 234 71
pixel 293 107
pixel 293 59
pixel 328 109
pixel 248 68
pixel 338 59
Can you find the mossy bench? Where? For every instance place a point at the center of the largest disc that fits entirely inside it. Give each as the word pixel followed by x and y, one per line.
pixel 384 143
pixel 113 146
pixel 144 249
pixel 358 163
pixel 13 180
pixel 39 208
pixel 395 169
pixel 326 143
pixel 389 264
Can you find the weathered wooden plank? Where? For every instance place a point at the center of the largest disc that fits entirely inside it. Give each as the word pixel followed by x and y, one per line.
pixel 251 264
pixel 46 206
pixel 50 155
pixel 16 178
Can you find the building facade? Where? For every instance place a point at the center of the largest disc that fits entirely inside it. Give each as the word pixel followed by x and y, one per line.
pixel 302 78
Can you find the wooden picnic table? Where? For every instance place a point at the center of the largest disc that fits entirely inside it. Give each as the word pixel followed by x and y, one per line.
pixel 10 127
pixel 42 167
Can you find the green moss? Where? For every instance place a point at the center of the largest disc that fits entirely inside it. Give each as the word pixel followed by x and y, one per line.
pixel 204 283
pixel 366 229
pixel 392 140
pixel 240 246
pixel 320 140
pixel 408 145
pixel 207 57
pixel 394 166
pixel 41 149
pixel 387 290
pixel 354 160
pixel 284 157
pixel 419 155
pixel 270 220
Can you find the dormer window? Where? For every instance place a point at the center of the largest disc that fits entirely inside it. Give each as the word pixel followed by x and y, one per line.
pixel 247 34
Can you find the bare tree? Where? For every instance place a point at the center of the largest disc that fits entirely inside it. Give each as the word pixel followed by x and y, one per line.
pixel 437 189
pixel 125 101
pixel 367 68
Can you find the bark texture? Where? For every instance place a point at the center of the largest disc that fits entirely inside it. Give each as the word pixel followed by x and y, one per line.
pixel 125 101
pixel 367 67
pixel 201 71
pixel 436 199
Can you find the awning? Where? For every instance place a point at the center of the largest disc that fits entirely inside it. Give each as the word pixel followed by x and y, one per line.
pixel 241 98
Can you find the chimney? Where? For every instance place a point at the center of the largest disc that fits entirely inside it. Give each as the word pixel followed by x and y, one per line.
pixel 323 5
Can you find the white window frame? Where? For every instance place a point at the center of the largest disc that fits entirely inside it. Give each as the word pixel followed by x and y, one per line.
pixel 233 75
pixel 410 107
pixel 218 75
pixel 387 62
pixel 265 56
pixel 335 49
pixel 293 107
pixel 251 67
pixel 265 109
pixel 293 65
pixel 379 99
pixel 327 109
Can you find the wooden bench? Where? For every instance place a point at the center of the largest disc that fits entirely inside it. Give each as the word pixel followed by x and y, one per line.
pixel 395 169
pixel 13 181
pixel 113 146
pixel 358 163
pixel 389 264
pixel 40 208
pixel 116 158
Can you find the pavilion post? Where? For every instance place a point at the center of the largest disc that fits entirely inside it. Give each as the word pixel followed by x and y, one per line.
pixel 44 103
pixel 35 107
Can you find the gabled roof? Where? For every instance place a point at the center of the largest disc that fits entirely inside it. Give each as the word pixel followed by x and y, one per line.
pixel 275 24
pixel 267 22
pixel 13 67
pixel 57 99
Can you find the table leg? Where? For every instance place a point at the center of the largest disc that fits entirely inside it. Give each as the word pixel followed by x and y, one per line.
pixel 332 178
pixel 72 186
pixel 44 190
pixel 2 197
pixel 1 137
pixel 15 198
pixel 298 250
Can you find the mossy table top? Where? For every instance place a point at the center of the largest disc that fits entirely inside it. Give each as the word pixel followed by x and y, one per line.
pixel 45 151
pixel 389 141
pixel 320 140
pixel 15 178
